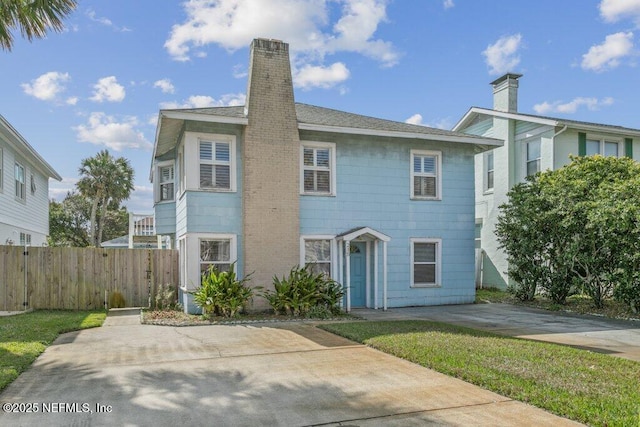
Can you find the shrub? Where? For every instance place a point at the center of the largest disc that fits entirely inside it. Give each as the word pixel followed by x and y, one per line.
pixel 116 300
pixel 303 292
pixel 222 293
pixel 166 298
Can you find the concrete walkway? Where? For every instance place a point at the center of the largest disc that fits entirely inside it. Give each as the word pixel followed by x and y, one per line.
pixel 615 337
pixel 278 374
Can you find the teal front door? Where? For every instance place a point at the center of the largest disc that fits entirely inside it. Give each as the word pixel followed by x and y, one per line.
pixel 358 270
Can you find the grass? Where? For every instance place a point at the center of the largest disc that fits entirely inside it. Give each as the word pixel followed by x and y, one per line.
pixel 591 388
pixel 24 337
pixel 575 304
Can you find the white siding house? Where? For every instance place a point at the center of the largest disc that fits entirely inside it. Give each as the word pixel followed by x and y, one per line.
pixel 24 190
pixel 532 143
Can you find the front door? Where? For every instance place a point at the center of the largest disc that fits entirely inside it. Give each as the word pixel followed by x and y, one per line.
pixel 358 279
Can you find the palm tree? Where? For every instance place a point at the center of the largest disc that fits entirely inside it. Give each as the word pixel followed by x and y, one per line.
pixel 32 17
pixel 106 181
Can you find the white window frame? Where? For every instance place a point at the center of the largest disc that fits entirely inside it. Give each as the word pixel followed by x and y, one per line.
pixel 487 170
pixel 213 139
pixel 438 262
pixel 233 248
pixel 438 174
pixel 332 246
pixel 181 172
pixel 332 166
pixel 160 183
pixel 602 140
pixel 23 185
pixel 25 239
pixel 526 156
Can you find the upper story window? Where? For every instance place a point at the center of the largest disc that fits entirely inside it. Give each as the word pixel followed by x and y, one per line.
pixel 318 169
pixel 533 157
pixel 490 170
pixel 426 179
pixel 166 178
pixel 20 182
pixel 215 165
pixel 602 147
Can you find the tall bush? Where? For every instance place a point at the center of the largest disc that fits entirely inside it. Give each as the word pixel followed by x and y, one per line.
pixel 576 227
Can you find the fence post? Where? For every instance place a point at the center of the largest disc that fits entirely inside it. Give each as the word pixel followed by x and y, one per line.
pixel 25 254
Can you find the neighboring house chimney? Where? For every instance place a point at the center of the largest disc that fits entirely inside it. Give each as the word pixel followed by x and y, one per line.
pixel 505 93
pixel 271 170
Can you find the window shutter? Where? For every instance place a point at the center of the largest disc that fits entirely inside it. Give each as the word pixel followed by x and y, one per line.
pixel 628 147
pixel 582 144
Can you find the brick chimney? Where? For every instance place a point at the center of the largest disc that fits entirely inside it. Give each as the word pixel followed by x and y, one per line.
pixel 271 157
pixel 505 93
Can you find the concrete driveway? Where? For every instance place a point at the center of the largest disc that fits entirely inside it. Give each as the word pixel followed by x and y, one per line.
pixel 615 337
pixel 278 374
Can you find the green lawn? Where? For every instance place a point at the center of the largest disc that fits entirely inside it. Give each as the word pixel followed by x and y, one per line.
pixel 23 337
pixel 591 388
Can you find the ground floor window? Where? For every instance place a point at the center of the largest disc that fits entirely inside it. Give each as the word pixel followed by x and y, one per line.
pixel 425 262
pixel 317 254
pixel 25 239
pixel 216 253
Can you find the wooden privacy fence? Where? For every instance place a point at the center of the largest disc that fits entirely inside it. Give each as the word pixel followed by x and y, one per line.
pixel 77 278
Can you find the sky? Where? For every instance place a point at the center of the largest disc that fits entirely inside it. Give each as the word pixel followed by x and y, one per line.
pixel 101 82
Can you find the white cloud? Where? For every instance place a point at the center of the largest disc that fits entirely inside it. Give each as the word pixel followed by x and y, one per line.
pixel 58 189
pixel 572 106
pixel 416 119
pixel 310 76
pixel 607 55
pixel 501 56
pixel 47 86
pixel 448 4
pixel 108 89
pixel 240 71
pixel 141 199
pixel 203 101
pixel 232 24
pixel 105 130
pixel 105 21
pixel 165 86
pixel 71 100
pixel 614 10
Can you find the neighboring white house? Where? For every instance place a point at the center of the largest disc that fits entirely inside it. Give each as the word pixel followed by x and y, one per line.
pixel 24 190
pixel 532 143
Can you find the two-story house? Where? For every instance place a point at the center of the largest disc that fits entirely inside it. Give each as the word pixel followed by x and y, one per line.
pixel 532 143
pixel 24 190
pixel 385 208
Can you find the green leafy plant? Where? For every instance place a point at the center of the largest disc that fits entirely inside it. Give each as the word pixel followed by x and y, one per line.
pixel 166 298
pixel 222 293
pixel 303 292
pixel 116 300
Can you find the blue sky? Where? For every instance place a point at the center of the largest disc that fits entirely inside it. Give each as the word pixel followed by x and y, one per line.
pixel 101 82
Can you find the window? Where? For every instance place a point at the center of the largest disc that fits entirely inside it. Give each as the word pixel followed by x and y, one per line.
pixel 318 169
pixel 166 179
pixel 25 239
pixel 215 165
pixel 425 174
pixel 20 182
pixel 533 157
pixel 182 173
pixel 490 170
pixel 425 262
pixel 215 252
pixel 602 147
pixel 317 254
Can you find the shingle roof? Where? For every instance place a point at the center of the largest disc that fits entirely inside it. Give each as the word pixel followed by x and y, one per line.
pixel 314 115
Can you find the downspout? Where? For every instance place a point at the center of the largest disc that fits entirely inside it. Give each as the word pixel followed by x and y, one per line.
pixel 553 151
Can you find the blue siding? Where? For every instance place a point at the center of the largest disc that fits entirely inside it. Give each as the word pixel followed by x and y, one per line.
pixel 210 212
pixel 165 216
pixel 373 189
